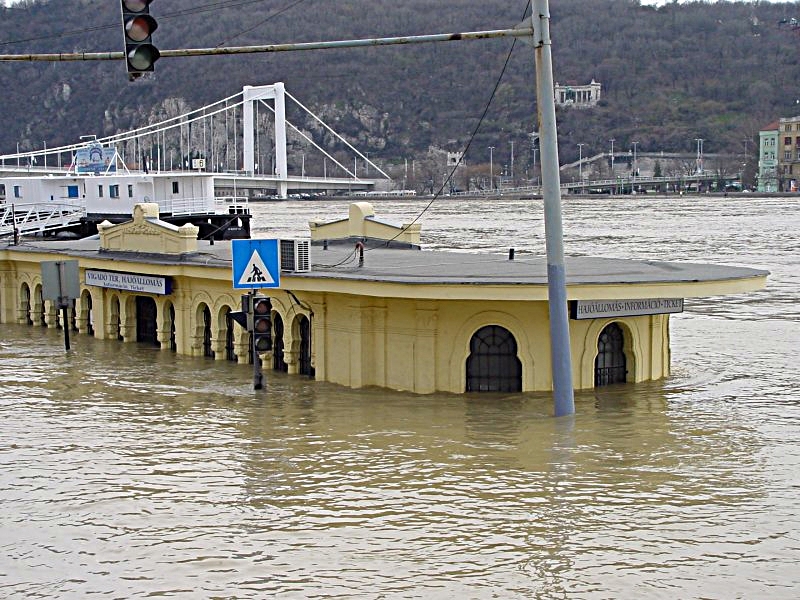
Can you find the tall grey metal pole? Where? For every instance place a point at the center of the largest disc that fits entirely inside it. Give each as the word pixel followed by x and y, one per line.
pixel 563 396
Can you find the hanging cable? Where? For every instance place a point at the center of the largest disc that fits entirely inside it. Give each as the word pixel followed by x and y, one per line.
pixel 466 148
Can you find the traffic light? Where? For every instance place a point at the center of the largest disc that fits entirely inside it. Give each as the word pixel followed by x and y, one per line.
pixel 138 26
pixel 244 317
pixel 262 324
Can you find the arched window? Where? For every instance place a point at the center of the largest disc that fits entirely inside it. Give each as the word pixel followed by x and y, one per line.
pixel 492 365
pixel 278 362
pixel 609 366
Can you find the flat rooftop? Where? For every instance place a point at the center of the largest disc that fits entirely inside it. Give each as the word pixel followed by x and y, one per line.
pixel 426 267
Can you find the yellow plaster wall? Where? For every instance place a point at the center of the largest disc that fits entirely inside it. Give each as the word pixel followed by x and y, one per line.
pixel 423 346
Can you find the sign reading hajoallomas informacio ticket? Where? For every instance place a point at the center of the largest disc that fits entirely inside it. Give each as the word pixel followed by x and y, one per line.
pixel 596 309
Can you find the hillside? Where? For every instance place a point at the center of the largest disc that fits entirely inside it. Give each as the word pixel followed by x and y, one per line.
pixel 713 71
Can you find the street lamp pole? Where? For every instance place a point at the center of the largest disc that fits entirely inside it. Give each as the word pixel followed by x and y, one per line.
pixel 561 361
pixel 699 155
pixel 635 164
pixel 612 140
pixel 580 164
pixel 491 167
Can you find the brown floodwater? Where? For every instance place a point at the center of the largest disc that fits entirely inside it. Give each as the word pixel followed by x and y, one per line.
pixel 127 472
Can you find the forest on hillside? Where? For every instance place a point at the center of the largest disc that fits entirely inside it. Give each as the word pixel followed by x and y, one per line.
pixel 718 71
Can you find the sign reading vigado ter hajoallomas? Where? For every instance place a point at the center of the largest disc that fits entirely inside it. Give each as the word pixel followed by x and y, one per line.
pixel 131 282
pixel 595 309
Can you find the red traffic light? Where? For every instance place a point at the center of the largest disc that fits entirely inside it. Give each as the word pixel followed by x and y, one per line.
pixel 139 28
pixel 135 5
pixel 262 324
pixel 262 307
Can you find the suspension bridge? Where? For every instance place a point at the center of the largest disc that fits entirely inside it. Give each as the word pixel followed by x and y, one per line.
pixel 245 140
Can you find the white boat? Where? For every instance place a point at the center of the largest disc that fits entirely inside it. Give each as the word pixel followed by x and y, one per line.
pixel 76 202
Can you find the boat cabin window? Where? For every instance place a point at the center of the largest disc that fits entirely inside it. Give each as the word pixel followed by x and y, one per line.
pixel 130 190
pixel 99 191
pixel 72 191
pixel 113 191
pixel 17 191
pixel 174 187
pixel 3 190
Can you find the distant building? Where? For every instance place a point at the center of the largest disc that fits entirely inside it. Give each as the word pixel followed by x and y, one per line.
pixel 789 157
pixel 580 96
pixel 454 159
pixel 768 158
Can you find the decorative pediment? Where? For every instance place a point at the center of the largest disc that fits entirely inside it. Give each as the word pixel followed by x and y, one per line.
pixel 361 223
pixel 147 233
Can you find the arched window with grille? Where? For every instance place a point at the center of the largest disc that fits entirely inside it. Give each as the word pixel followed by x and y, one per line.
pixel 610 365
pixel 492 365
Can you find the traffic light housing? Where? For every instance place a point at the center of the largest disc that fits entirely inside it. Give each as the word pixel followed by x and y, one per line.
pixel 244 317
pixel 262 324
pixel 138 27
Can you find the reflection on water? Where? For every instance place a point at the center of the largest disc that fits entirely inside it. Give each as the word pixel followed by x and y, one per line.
pixel 128 472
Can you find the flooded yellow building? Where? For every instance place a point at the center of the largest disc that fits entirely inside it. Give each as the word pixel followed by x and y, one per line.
pixel 373 309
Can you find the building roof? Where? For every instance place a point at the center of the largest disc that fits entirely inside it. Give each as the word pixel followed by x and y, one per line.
pixel 404 272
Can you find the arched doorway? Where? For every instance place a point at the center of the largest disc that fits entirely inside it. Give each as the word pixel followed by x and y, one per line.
pixel 230 336
pixel 492 365
pixel 610 365
pixel 25 304
pixel 146 321
pixel 115 322
pixel 86 316
pixel 278 362
pixel 38 316
pixel 208 350
pixel 304 359
pixel 173 345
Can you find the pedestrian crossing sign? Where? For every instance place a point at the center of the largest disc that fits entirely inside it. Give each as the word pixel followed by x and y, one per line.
pixel 255 264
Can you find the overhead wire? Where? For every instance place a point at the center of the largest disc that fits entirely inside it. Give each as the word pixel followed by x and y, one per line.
pixel 471 139
pixel 260 23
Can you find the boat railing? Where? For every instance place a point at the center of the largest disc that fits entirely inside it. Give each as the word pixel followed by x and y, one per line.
pixel 29 218
pixel 205 205
pixel 231 205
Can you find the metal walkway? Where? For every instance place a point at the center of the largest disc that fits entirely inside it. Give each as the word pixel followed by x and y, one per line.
pixel 33 218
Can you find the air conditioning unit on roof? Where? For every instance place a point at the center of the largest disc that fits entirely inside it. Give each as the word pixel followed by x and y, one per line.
pixel 295 255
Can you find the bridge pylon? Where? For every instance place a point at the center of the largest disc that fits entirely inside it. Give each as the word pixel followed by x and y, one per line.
pixel 276 93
